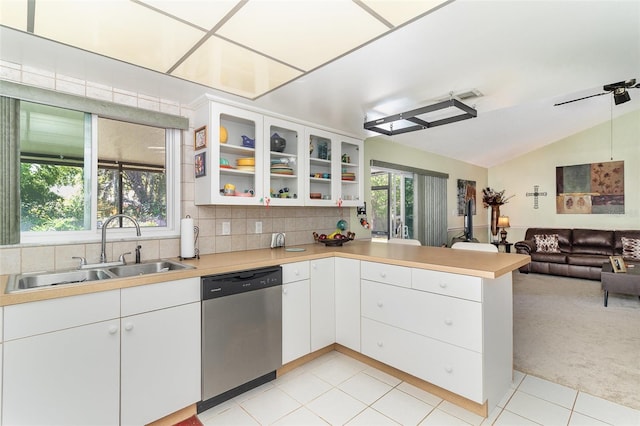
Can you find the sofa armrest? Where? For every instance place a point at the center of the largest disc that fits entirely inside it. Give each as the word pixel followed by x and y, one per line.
pixel 525 247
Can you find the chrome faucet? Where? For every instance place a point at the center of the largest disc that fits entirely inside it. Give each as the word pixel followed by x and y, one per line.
pixel 103 254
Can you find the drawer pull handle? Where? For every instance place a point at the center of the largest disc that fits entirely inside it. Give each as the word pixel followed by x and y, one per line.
pixel 284 290
pixel 380 344
pixel 113 329
pixel 443 285
pixel 296 272
pixel 379 304
pixel 448 321
pixel 128 326
pixel 383 274
pixel 448 369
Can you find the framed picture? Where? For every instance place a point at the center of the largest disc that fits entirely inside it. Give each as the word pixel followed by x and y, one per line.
pixel 617 263
pixel 200 138
pixel 201 164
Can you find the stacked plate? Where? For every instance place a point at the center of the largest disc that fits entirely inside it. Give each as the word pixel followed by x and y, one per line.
pixel 348 176
pixel 281 169
pixel 247 164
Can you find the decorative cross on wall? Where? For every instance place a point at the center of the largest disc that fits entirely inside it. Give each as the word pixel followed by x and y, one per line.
pixel 535 194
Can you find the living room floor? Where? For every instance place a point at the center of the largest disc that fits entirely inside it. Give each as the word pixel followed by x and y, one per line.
pixel 336 389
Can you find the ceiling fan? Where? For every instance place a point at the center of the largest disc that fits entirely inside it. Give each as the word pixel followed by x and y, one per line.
pixel 619 90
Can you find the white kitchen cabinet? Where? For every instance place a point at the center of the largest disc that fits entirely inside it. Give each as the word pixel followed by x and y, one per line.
pixel 322 294
pixel 347 300
pixel 284 171
pixel 296 318
pixel 334 169
pixel 61 361
pixel 160 350
pixel 233 155
pixel 385 273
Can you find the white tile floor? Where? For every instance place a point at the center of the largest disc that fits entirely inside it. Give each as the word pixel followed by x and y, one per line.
pixel 336 389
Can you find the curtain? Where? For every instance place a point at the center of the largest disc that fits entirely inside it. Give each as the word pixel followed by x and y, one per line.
pixel 431 206
pixel 9 171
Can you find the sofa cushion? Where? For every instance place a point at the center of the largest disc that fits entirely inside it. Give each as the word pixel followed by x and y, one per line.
pixel 537 256
pixel 586 260
pixel 631 248
pixel 592 241
pixel 547 243
pixel 564 236
pixel 635 234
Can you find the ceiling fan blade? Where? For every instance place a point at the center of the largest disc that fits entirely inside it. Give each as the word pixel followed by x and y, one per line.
pixel 579 99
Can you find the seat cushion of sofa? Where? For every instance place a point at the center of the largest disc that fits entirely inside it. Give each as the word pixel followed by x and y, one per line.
pixel 586 260
pixel 549 257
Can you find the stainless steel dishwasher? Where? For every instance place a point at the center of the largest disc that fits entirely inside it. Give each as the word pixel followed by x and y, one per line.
pixel 241 332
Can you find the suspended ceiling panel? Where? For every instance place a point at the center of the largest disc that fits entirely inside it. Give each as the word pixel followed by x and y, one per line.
pixel 246 48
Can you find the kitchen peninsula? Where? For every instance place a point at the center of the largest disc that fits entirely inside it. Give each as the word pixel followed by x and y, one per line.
pixel 439 317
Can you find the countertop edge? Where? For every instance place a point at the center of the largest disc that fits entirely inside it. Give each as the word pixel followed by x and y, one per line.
pixel 219 263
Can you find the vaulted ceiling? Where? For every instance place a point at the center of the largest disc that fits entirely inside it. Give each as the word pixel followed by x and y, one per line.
pixel 340 62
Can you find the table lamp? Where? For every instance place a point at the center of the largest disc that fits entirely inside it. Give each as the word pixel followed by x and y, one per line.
pixel 503 223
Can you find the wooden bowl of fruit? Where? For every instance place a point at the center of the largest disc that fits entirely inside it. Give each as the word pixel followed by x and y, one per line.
pixel 335 239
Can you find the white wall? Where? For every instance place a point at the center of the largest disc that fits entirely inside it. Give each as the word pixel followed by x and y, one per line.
pixel 538 167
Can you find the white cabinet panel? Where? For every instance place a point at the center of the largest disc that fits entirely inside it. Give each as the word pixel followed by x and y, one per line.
pixel 296 324
pixel 463 286
pixel 323 312
pixel 347 285
pixel 160 363
pixel 151 297
pixel 295 271
pixel 451 320
pixel 450 367
pixel 384 273
pixel 28 319
pixel 67 377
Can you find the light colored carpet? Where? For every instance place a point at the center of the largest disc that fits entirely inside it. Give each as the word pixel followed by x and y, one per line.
pixel 563 333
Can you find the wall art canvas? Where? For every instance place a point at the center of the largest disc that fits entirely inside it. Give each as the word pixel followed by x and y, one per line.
pixel 596 188
pixel 466 190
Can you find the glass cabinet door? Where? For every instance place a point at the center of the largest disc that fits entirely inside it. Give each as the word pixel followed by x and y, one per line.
pixel 320 190
pixel 284 167
pixel 236 160
pixel 351 185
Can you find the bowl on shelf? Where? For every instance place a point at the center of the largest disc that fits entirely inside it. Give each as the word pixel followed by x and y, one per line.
pixel 247 161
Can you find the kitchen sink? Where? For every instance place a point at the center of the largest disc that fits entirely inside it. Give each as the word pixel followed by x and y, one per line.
pixel 48 279
pixel 144 268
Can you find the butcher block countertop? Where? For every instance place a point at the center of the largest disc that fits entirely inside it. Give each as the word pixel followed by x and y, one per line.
pixel 464 262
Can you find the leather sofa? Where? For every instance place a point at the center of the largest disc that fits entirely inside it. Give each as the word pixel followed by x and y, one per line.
pixel 582 251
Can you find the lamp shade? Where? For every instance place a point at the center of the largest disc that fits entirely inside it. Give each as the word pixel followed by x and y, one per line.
pixel 503 222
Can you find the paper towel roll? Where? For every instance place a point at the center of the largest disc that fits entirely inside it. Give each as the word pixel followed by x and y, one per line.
pixel 187 238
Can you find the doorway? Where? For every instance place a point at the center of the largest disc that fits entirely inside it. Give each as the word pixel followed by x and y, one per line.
pixel 392 204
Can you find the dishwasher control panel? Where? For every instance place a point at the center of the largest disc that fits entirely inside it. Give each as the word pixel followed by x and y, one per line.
pixel 214 286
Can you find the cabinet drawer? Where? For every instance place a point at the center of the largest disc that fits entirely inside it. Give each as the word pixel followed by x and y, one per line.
pixel 28 319
pixel 388 274
pixel 295 271
pixel 449 319
pixel 450 367
pixel 463 286
pixel 151 297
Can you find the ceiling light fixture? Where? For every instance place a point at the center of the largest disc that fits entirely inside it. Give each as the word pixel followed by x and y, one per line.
pixel 416 123
pixel 620 95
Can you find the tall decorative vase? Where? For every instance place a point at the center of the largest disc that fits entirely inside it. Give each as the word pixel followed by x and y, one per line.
pixel 495 214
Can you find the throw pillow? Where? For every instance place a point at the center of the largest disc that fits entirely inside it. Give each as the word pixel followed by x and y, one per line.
pixel 631 248
pixel 547 243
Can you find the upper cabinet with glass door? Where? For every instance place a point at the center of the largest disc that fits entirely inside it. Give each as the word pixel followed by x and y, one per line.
pixel 321 170
pixel 283 166
pixel 351 185
pixel 229 161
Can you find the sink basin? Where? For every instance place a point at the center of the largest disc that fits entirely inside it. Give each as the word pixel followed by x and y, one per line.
pixel 151 267
pixel 47 279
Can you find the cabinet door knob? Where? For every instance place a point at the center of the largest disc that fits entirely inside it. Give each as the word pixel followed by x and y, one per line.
pixel 448 321
pixel 380 344
pixel 284 290
pixel 113 329
pixel 379 304
pixel 128 326
pixel 443 285
pixel 448 369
